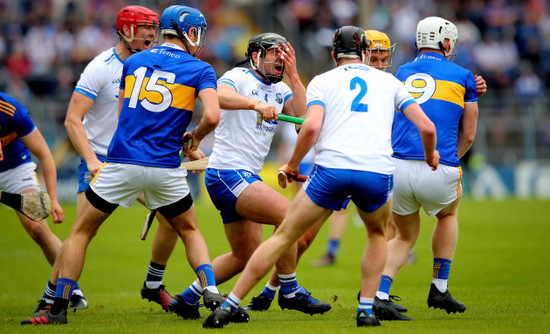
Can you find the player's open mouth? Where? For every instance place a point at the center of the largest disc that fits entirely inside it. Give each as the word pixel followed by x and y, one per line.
pixel 147 42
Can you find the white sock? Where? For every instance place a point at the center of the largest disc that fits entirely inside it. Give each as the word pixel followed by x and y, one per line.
pixel 440 284
pixel 382 295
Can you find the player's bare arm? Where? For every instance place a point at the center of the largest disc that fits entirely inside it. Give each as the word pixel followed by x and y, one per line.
pixel 297 104
pixel 231 100
pixel 481 85
pixel 209 121
pixel 467 129
pixel 427 133
pixel 306 138
pixel 78 108
pixel 38 147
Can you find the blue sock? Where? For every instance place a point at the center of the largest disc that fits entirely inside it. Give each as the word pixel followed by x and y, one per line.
pixel 332 247
pixel 442 267
pixel 192 294
pixel 365 304
pixel 231 301
pixel 385 284
pixel 49 293
pixel 155 273
pixel 289 284
pixel 205 273
pixel 64 289
pixel 270 291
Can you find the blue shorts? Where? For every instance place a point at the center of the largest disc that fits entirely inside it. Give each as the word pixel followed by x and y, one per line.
pixel 225 186
pixel 305 168
pixel 84 175
pixel 330 187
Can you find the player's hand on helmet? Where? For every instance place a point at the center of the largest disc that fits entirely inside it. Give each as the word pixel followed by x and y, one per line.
pixel 288 56
pixel 94 165
pixel 268 111
pixel 434 161
pixel 481 85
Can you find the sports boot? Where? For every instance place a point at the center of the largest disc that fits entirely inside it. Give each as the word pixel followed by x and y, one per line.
pixel 259 303
pixel 444 301
pixel 211 300
pixel 159 295
pixel 365 320
pixel 219 318
pixel 47 319
pixel 303 302
pixel 184 310
pixel 42 307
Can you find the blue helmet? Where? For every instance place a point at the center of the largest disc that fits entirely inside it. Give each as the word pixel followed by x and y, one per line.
pixel 177 20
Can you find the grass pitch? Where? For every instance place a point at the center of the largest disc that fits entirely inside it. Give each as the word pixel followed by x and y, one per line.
pixel 500 272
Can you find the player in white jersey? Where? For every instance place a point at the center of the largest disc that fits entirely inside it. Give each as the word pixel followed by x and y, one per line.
pixel 349 118
pixel 156 161
pixel 240 148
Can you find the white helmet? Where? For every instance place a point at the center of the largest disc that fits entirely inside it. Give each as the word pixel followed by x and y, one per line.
pixel 432 31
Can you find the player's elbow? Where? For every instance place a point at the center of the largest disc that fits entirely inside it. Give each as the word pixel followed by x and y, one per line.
pixel 427 129
pixel 212 119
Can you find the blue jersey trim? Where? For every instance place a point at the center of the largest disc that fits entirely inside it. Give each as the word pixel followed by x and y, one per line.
pixel 227 82
pixel 316 102
pixel 406 104
pixel 260 78
pixel 81 90
pixel 287 97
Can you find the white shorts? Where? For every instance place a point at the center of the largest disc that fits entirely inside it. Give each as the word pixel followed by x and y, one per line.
pixel 122 184
pixel 19 179
pixel 417 185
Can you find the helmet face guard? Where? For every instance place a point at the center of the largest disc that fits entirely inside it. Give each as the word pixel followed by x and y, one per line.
pixel 432 32
pixel 179 20
pixel 261 44
pixel 379 42
pixel 133 17
pixel 350 42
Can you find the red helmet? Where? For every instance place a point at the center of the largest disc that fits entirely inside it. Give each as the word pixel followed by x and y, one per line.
pixel 134 16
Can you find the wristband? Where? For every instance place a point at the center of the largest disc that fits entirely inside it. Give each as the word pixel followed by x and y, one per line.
pixel 252 104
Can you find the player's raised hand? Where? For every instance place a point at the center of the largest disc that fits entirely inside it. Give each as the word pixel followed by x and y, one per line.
pixel 190 143
pixel 288 56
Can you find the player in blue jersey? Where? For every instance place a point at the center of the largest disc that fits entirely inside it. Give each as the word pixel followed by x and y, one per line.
pixel 157 95
pixel 91 121
pixel 19 137
pixel 447 93
pixel 351 101
pixel 240 148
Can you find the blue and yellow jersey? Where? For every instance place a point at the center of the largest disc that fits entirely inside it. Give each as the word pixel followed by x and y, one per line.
pixel 160 87
pixel 442 88
pixel 15 122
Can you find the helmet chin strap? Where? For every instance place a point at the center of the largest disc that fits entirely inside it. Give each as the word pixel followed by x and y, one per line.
pixel 183 38
pixel 127 40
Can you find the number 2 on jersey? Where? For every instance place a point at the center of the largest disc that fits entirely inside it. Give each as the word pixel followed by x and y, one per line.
pixel 356 105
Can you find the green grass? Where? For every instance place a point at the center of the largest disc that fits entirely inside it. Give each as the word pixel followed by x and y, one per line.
pixel 500 272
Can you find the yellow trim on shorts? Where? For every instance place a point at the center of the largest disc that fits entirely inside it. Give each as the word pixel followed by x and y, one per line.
pixel 458 186
pixel 97 174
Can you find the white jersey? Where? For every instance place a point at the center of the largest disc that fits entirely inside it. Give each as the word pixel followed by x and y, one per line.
pixel 100 81
pixel 359 103
pixel 239 142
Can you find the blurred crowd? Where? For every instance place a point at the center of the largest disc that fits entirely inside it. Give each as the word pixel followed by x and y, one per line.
pixel 45 44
